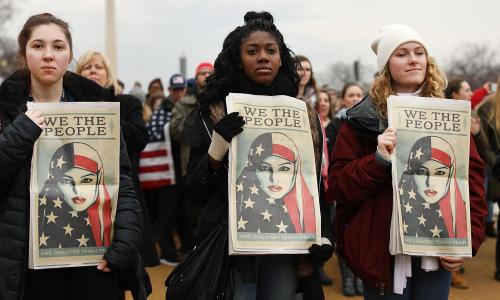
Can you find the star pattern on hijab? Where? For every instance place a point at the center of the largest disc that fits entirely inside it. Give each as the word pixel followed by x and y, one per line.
pixel 420 218
pixel 257 212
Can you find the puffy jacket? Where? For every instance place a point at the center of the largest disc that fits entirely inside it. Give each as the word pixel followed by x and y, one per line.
pixel 17 138
pixel 362 188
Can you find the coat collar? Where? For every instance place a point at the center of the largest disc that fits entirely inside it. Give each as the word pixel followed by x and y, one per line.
pixel 365 119
pixel 14 91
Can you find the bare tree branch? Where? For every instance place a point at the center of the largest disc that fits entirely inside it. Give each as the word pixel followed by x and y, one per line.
pixel 476 63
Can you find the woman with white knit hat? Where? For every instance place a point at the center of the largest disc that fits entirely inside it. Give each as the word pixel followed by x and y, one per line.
pixel 361 176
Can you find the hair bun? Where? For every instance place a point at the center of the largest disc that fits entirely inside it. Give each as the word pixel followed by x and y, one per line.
pixel 253 16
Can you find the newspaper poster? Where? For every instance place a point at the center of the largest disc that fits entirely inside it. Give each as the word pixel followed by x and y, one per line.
pixel 430 170
pixel 74 184
pixel 273 189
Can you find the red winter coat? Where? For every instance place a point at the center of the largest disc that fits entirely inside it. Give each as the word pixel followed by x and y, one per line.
pixel 362 188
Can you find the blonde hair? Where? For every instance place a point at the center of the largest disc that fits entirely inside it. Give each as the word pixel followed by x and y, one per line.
pixel 434 84
pixel 494 114
pixel 111 78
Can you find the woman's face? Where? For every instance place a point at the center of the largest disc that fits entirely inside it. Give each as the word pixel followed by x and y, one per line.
pixel 464 93
pixel 433 181
pixel 154 88
pixel 260 57
pixel 305 72
pixel 95 71
pixel 47 54
pixel 353 95
pixel 79 188
pixel 408 66
pixel 323 104
pixel 276 175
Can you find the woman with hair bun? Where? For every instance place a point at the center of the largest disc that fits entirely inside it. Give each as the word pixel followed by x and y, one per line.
pixel 254 60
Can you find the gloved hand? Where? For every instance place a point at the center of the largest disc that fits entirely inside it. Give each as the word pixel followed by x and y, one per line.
pixel 224 131
pixel 322 252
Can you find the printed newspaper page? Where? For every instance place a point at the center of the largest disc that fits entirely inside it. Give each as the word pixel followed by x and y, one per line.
pixel 74 184
pixel 273 189
pixel 430 168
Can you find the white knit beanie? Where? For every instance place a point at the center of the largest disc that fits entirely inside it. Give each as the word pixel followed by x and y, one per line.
pixel 390 38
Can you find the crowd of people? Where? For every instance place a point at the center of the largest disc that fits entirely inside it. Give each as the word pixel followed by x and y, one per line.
pixel 174 157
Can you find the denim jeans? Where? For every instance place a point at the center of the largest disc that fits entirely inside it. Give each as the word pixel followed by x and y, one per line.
pixel 422 285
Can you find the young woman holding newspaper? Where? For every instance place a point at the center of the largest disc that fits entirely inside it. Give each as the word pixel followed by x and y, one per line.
pixel 45 48
pixel 361 175
pixel 254 60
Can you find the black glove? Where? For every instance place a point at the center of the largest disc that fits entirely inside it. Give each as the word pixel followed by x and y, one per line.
pixel 321 253
pixel 224 131
pixel 229 126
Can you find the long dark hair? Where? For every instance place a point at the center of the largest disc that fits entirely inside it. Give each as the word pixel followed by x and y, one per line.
pixel 453 87
pixel 228 66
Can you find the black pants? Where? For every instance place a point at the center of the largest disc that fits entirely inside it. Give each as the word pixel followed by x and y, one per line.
pixel 162 203
pixel 72 284
pixel 497 248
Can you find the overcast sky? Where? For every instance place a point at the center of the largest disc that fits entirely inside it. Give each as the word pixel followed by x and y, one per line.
pixel 152 34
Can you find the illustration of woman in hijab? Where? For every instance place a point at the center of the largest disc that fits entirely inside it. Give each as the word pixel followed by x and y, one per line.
pixel 431 201
pixel 272 195
pixel 75 208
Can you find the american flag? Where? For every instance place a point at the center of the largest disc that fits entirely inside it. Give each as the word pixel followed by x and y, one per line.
pixel 156 165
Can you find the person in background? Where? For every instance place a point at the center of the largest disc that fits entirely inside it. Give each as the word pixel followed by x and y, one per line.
pixel 362 184
pixel 180 113
pixel 177 91
pixel 137 92
pixel 481 94
pixel 335 102
pixel 95 66
pixel 307 84
pixel 183 109
pixel 157 178
pixel 322 106
pixel 459 89
pixel 46 50
pixel 121 85
pixel 155 86
pixel 488 142
pixel 351 94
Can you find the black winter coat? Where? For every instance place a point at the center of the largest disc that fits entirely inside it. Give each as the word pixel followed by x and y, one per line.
pixel 209 189
pixel 203 186
pixel 17 137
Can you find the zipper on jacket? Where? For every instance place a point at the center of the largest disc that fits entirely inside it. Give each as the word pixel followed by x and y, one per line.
pixel 382 289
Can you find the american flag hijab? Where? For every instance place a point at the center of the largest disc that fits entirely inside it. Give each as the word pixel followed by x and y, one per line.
pixel 257 210
pixel 65 226
pixel 446 216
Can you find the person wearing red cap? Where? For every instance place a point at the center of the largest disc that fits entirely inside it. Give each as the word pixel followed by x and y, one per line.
pixel 180 113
